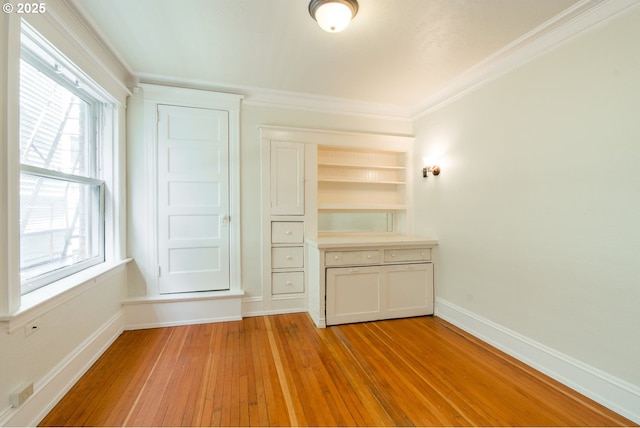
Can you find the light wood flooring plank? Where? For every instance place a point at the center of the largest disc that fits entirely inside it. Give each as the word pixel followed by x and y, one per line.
pixel 282 371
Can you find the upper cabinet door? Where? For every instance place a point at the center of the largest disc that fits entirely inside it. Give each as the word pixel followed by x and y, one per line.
pixel 287 178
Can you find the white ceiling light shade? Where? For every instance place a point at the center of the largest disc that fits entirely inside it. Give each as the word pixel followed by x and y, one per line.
pixel 333 15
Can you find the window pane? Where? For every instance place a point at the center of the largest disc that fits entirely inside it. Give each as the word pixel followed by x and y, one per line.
pixel 54 125
pixel 58 225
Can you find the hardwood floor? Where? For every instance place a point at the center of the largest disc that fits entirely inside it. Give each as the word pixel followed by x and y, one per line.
pixel 282 371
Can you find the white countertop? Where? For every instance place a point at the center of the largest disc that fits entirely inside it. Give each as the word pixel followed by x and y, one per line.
pixel 381 240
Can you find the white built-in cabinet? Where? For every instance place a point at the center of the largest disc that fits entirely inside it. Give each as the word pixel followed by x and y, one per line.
pixel 373 292
pixel 368 278
pixel 287 234
pixel 288 218
pixel 341 276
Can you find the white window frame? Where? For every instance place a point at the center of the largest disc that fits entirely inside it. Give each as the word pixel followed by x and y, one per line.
pixel 71 81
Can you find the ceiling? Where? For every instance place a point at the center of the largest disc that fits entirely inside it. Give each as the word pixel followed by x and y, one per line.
pixel 395 52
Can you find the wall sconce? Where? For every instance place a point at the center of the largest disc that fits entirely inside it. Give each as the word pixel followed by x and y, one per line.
pixel 430 167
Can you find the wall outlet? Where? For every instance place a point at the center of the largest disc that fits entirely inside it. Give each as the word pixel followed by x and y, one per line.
pixel 32 327
pixel 19 396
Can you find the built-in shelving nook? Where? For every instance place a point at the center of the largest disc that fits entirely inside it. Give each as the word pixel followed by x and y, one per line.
pixel 364 184
pixel 361 179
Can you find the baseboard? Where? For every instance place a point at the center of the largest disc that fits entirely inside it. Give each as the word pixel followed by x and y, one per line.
pixel 51 388
pixel 182 309
pixel 273 305
pixel 264 313
pixel 318 319
pixel 613 393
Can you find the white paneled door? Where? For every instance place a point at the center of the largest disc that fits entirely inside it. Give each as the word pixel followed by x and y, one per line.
pixel 193 199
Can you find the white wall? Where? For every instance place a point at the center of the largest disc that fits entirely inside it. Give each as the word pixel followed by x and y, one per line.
pixel 69 339
pixel 537 207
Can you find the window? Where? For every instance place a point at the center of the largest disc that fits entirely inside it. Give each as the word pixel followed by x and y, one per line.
pixel 61 193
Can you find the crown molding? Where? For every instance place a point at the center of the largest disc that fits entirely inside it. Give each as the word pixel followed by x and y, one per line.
pixel 328 105
pixel 284 99
pixel 551 34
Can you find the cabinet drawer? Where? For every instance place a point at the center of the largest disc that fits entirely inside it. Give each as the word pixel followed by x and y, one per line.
pixel 347 258
pixel 287 282
pixel 407 255
pixel 287 232
pixel 287 257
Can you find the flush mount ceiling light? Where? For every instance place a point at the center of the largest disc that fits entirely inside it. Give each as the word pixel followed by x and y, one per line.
pixel 333 15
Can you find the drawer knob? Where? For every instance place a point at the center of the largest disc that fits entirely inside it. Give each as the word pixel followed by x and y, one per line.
pixel 287 283
pixel 287 232
pixel 336 257
pixel 289 257
pixel 393 254
pixel 369 256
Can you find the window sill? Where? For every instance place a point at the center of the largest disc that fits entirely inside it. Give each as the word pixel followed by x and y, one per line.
pixel 42 300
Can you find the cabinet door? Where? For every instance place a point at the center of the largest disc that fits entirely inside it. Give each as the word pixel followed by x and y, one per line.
pixel 407 290
pixel 287 178
pixel 353 294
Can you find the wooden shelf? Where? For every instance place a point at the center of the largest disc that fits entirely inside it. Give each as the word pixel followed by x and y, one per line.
pixel 361 179
pixel 351 165
pixel 361 207
pixel 340 180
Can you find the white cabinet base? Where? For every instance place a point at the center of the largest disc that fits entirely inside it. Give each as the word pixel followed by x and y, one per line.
pixel 370 278
pixel 356 294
